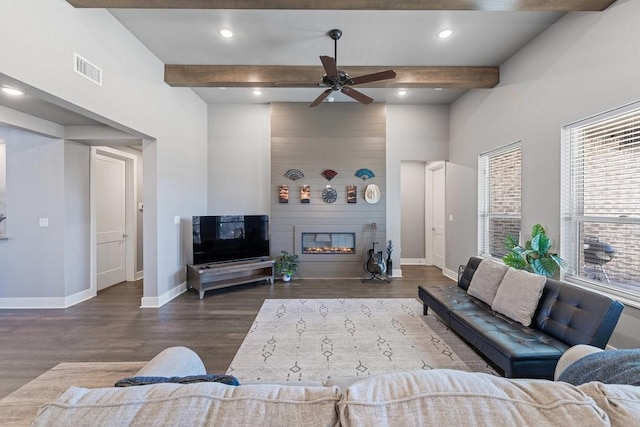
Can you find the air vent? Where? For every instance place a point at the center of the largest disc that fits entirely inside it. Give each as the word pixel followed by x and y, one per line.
pixel 87 69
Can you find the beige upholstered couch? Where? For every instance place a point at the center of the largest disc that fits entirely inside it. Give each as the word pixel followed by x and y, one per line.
pixel 435 397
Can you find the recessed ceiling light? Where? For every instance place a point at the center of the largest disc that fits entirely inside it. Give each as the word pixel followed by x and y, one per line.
pixel 446 33
pixel 226 33
pixel 402 92
pixel 330 99
pixel 257 92
pixel 437 88
pixel 12 91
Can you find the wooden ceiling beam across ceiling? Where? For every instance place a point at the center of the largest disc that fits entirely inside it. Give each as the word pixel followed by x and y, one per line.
pixel 488 5
pixel 308 76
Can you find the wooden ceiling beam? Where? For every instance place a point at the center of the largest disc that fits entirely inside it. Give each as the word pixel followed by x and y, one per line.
pixel 308 76
pixel 488 5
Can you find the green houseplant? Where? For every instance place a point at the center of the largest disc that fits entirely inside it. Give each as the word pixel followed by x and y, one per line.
pixel 534 256
pixel 286 265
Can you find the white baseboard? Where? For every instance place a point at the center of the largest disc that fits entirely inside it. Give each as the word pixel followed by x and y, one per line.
pixel 413 261
pixel 79 297
pixel 139 275
pixel 396 272
pixel 453 275
pixel 159 301
pixel 46 302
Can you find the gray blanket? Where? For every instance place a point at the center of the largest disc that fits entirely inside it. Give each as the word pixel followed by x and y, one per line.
pixel 609 367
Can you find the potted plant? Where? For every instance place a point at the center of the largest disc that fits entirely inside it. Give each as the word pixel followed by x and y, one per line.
pixel 286 265
pixel 534 256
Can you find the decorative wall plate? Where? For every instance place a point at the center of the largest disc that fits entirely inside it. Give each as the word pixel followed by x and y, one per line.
pixel 329 174
pixel 283 193
pixel 329 195
pixel 352 194
pixel 305 194
pixel 294 174
pixel 365 173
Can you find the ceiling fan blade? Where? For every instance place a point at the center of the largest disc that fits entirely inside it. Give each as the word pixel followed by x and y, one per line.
pixel 373 77
pixel 321 98
pixel 358 96
pixel 330 66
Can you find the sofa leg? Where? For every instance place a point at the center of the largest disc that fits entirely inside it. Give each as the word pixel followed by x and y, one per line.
pixel 425 309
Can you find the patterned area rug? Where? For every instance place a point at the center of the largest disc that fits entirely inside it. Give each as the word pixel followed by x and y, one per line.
pixel 318 339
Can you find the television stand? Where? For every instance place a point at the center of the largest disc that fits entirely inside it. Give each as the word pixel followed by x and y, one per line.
pixel 205 277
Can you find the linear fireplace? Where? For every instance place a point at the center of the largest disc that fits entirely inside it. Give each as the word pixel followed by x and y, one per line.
pixel 327 243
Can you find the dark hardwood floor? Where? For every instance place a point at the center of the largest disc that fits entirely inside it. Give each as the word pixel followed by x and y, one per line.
pixel 112 327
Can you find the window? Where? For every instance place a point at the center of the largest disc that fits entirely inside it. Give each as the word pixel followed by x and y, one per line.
pixel 601 201
pixel 499 198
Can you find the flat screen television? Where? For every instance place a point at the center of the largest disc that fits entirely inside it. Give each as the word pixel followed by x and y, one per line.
pixel 229 238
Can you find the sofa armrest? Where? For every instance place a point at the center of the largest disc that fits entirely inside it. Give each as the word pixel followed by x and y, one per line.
pixel 173 362
pixel 573 354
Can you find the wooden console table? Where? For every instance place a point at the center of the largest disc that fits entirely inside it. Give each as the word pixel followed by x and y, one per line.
pixel 204 277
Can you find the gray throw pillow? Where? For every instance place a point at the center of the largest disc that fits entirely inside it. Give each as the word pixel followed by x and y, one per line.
pixel 486 279
pixel 518 295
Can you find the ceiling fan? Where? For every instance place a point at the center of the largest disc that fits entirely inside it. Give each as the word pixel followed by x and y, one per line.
pixel 338 80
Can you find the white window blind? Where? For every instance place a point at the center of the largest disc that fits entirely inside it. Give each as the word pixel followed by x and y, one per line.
pixel 499 198
pixel 601 202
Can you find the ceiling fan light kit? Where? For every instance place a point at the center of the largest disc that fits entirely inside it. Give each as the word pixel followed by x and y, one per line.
pixel 338 80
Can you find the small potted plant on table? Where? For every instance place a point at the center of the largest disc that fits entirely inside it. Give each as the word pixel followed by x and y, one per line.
pixel 286 265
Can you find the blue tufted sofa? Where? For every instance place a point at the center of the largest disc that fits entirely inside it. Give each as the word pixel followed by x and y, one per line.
pixel 566 315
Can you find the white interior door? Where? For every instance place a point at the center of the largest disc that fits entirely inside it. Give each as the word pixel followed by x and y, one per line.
pixel 110 175
pixel 438 215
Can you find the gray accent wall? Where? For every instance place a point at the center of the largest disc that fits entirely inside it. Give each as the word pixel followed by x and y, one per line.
pixel 582 65
pixel 343 137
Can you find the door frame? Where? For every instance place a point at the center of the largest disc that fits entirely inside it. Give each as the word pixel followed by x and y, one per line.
pixel 429 170
pixel 131 225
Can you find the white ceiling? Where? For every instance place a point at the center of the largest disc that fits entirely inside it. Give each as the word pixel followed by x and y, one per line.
pixel 298 37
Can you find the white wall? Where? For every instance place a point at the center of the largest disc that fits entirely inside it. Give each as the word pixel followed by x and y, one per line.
pixel 239 159
pixel 76 217
pixel 133 96
pixel 418 133
pixel 413 211
pixel 3 186
pixel 582 65
pixel 32 261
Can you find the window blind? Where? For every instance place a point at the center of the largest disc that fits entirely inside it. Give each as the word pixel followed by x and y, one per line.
pixel 499 198
pixel 601 201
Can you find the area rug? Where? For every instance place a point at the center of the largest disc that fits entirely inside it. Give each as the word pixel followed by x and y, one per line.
pixel 319 339
pixel 19 408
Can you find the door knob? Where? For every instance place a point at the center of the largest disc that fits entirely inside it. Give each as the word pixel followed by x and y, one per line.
pixel 125 235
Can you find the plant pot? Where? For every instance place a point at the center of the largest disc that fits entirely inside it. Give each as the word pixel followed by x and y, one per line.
pixel 286 277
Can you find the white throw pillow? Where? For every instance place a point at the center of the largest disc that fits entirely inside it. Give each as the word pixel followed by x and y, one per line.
pixel 518 295
pixel 486 279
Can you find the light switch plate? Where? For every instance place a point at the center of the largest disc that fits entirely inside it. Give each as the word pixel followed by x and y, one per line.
pixel 43 222
pixel 450 218
pixel 176 220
